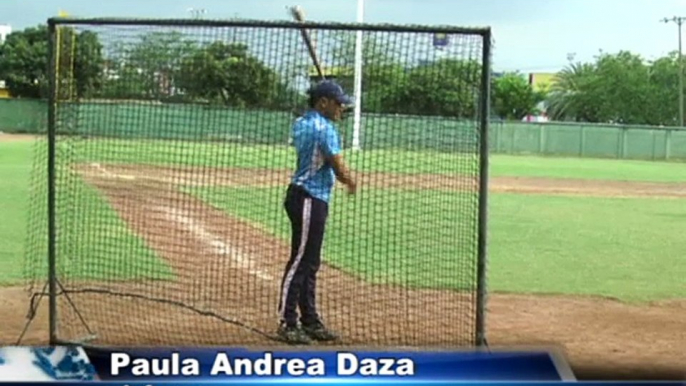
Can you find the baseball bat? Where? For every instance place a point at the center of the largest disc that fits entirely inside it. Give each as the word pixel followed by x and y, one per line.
pixel 299 16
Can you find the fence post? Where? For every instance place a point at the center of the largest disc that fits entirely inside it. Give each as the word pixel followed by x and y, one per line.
pixel 582 141
pixel 623 142
pixel 652 132
pixel 668 143
pixel 512 142
pixel 541 139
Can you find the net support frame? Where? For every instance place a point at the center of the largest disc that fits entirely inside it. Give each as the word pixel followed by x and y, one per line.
pixel 54 289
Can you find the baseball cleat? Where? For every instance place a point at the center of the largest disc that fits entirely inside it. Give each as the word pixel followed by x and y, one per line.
pixel 293 335
pixel 319 332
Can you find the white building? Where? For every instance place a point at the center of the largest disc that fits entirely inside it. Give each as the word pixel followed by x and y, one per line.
pixel 5 30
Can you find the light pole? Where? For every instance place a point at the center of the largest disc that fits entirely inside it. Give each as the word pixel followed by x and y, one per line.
pixel 679 22
pixel 196 13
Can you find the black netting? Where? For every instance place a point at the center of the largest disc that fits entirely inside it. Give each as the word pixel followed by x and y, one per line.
pixel 172 157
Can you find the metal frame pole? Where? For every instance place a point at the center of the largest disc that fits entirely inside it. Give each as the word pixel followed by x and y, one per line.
pixel 483 191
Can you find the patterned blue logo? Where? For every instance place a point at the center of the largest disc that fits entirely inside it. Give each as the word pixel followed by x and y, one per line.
pixel 41 364
pixel 69 367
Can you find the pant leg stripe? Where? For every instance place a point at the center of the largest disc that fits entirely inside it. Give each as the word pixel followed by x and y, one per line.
pixel 307 213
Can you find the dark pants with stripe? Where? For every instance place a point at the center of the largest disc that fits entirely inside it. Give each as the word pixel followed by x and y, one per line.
pixel 298 287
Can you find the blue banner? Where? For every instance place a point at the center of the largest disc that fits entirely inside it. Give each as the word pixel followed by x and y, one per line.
pixel 233 364
pixel 193 366
pixel 356 383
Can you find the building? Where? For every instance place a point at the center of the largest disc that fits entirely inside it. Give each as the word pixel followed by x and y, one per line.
pixel 4 92
pixel 541 81
pixel 5 30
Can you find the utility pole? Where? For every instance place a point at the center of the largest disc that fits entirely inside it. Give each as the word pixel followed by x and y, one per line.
pixel 679 22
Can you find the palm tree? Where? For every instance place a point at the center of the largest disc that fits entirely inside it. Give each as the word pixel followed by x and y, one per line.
pixel 569 93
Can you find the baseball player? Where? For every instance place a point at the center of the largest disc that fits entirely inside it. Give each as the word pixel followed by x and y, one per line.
pixel 317 143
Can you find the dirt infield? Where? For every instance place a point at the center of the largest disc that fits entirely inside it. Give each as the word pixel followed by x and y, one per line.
pixel 4 137
pixel 232 268
pixel 268 177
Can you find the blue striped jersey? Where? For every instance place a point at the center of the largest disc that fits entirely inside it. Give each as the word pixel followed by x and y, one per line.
pixel 315 139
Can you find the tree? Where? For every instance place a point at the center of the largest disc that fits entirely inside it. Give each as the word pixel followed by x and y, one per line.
pixel 394 83
pixel 513 97
pixel 617 88
pixel 448 87
pixel 384 77
pixel 229 74
pixel 80 63
pixel 148 68
pixel 664 79
pixel 571 95
pixel 623 89
pixel 24 62
pixel 89 64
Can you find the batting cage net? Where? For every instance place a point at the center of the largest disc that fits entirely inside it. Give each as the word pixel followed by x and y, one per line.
pixel 169 157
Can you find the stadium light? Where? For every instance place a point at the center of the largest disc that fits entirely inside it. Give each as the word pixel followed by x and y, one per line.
pixel 196 13
pixel 679 22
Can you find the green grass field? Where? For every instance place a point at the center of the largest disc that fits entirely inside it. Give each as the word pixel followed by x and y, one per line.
pixel 381 246
pixel 101 243
pixel 15 170
pixel 625 248
pixel 91 260
pixel 543 244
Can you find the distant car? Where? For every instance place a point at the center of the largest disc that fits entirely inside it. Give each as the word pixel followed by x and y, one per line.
pixel 535 118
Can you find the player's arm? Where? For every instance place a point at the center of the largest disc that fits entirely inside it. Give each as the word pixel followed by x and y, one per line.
pixel 343 172
pixel 332 151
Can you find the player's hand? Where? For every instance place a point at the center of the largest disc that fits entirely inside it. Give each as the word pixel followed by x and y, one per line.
pixel 352 187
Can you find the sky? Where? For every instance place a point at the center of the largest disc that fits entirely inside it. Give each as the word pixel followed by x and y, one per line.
pixel 529 35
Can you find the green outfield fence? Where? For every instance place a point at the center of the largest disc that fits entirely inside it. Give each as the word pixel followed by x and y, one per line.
pixel 219 124
pixel 23 116
pixel 589 140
